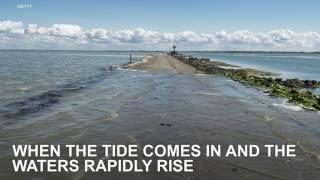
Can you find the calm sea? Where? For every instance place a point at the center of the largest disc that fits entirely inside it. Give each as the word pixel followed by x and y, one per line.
pixel 289 65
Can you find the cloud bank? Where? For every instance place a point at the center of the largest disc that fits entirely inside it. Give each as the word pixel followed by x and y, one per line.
pixel 16 35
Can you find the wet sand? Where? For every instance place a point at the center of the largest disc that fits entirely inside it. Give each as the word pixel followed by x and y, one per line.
pixel 164 64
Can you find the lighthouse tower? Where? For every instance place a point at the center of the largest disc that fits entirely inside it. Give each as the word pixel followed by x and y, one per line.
pixel 174 52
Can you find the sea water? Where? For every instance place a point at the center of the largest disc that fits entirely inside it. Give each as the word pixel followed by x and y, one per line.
pixel 72 97
pixel 287 65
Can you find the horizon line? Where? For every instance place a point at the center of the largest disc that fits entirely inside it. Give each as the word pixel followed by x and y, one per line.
pixel 219 51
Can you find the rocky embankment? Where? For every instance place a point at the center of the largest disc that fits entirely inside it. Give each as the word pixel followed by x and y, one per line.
pixel 297 91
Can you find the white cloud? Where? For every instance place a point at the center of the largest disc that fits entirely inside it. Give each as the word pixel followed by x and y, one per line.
pixel 99 35
pixel 74 37
pixel 136 36
pixel 191 37
pixel 11 27
pixel 61 30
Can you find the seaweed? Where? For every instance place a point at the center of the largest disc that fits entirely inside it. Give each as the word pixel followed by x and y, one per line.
pixel 295 90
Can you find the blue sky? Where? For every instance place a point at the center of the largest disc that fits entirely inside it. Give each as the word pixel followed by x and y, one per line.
pixel 170 15
pixel 287 25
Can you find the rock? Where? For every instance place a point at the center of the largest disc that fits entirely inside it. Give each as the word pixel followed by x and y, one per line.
pixel 234 169
pixel 165 124
pixel 291 89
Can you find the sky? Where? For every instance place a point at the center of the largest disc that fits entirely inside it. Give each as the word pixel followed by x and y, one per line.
pixel 286 25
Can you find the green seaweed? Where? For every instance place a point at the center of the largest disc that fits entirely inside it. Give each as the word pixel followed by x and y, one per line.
pixel 295 90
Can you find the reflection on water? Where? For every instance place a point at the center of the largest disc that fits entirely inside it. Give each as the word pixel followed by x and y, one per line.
pixel 82 102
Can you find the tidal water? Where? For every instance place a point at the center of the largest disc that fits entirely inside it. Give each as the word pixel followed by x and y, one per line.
pixel 72 97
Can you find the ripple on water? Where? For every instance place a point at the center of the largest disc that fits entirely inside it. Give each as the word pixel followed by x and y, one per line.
pixel 112 115
pixel 288 106
pixel 111 97
pixel 268 118
pixel 24 89
pixel 208 93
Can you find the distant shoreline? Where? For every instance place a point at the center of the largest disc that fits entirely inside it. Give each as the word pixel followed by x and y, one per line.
pixel 245 52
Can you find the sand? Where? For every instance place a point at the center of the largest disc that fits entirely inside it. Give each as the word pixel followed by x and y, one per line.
pixel 164 64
